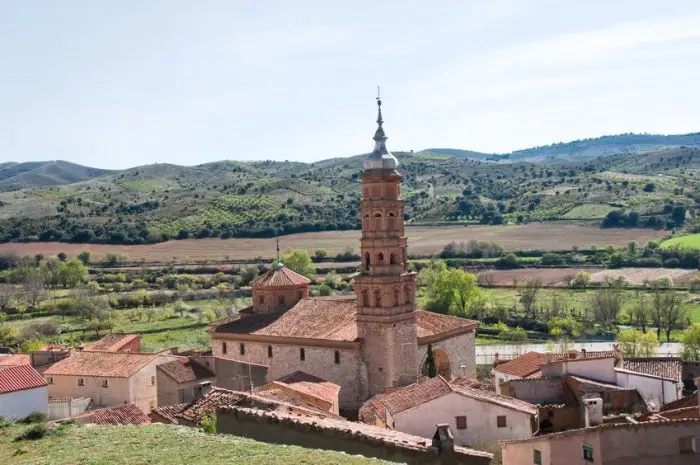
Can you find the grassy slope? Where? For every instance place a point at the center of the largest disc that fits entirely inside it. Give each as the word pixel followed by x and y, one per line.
pixel 691 241
pixel 155 444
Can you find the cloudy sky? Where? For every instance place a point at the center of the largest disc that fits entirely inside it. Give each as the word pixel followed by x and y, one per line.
pixel 121 83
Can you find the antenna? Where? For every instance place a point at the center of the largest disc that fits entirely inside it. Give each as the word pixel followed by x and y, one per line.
pixel 379 93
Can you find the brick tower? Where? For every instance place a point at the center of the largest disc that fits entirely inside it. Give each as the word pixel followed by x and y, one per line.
pixel 385 289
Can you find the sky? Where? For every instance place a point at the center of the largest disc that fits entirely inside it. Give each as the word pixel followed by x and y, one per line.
pixel 114 84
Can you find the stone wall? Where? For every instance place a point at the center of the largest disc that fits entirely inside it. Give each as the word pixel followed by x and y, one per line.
pixel 238 376
pixel 461 351
pixel 352 438
pixel 536 390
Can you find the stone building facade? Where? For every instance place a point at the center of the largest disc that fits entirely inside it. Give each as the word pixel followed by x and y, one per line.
pixel 366 343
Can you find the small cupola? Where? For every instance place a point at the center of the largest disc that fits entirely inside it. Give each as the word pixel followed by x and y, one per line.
pixel 279 289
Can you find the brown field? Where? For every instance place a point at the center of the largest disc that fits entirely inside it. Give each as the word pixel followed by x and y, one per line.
pixel 554 276
pixel 421 240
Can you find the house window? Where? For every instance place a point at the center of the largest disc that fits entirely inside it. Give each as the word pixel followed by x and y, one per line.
pixel 151 405
pixel 587 453
pixel 242 348
pixel 302 354
pixel 224 349
pixel 537 457
pixel 269 351
pixel 501 421
pixel 49 380
pixel 105 383
pixel 337 357
pixel 181 396
pixel 686 445
pixel 81 382
pixel 281 300
pixel 461 422
pixel 153 380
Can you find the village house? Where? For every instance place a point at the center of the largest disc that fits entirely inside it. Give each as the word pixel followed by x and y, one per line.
pixel 366 344
pixel 474 415
pixel 22 391
pixel 108 378
pixel 115 342
pixel 182 380
pixel 308 388
pixel 648 443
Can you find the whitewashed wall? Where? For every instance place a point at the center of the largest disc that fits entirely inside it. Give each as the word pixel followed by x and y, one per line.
pixel 19 404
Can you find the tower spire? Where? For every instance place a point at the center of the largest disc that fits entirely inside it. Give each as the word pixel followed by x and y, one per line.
pixel 380 158
pixel 278 263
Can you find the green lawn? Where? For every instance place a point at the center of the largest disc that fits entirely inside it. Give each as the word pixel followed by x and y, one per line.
pixel 155 444
pixel 691 241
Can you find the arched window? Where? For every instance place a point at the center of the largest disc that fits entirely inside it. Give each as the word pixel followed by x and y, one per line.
pixel 380 258
pixel 397 296
pixel 365 298
pixel 377 298
pixel 392 258
pixel 407 295
pixel 367 260
pixel 377 224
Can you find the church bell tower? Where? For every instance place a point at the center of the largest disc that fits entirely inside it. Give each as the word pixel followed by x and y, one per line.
pixel 385 289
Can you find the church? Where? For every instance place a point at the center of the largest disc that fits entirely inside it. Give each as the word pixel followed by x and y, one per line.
pixel 366 343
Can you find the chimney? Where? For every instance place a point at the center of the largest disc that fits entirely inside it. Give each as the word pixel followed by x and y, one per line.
pixel 592 411
pixel 443 439
pixel 583 353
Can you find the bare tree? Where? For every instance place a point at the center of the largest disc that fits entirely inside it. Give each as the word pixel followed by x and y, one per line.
pixel 7 293
pixel 33 291
pixel 668 312
pixel 528 296
pixel 640 313
pixel 605 306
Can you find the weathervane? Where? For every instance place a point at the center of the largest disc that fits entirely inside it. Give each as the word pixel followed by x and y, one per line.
pixel 278 250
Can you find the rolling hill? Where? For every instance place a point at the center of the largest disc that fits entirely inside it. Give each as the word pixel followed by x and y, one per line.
pixel 15 176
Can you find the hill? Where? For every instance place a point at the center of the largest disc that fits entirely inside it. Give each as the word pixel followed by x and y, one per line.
pixel 584 149
pixel 15 176
pixel 157 444
pixel 153 203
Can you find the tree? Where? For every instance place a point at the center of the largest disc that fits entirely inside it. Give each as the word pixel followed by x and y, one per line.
pixel 33 291
pixel 528 295
pixel 84 257
pixel 50 272
pixel 583 278
pixel 668 312
pixel 320 255
pixel 428 274
pixel 455 291
pixel 181 308
pixel 640 313
pixel 430 362
pixel 332 280
pixel 634 343
pixel 324 290
pixel 299 261
pixel 691 343
pixel 72 273
pixel 605 306
pixel 564 329
pixel 62 256
pixel 7 294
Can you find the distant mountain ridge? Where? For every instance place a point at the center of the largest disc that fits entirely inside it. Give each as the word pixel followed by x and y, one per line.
pixel 583 149
pixel 15 176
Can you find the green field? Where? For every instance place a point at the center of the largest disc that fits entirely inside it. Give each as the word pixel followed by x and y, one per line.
pixel 691 241
pixel 591 210
pixel 154 444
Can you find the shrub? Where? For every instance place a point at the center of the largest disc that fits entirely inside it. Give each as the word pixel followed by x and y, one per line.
pixel 34 417
pixel 37 431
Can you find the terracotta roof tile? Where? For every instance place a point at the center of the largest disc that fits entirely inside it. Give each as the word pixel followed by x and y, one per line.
pixel 106 364
pixel 19 378
pixel 280 277
pixel 170 412
pixel 310 385
pixel 687 401
pixel 283 397
pixel 497 399
pixel 15 359
pixel 330 318
pixel 523 366
pixel 111 342
pixel 128 414
pixel 407 397
pixel 665 368
pixel 208 404
pixel 185 371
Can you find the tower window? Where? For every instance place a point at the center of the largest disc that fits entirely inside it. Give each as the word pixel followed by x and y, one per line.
pixel 367 260
pixel 392 258
pixel 261 300
pixel 337 357
pixel 302 354
pixel 380 258
pixel 281 300
pixel 269 351
pixel 365 298
pixel 242 348
pixel 377 298
pixel 224 348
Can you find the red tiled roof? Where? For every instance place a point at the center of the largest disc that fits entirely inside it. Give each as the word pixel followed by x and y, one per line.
pixel 497 399
pixel 170 412
pixel 310 385
pixel 664 368
pixel 128 414
pixel 185 371
pixel 15 359
pixel 687 401
pixel 111 342
pixel 523 366
pixel 278 396
pixel 330 318
pixel 208 404
pixel 280 277
pixel 466 381
pixel 19 378
pixel 105 364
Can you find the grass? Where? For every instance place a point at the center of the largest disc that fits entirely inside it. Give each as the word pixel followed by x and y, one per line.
pixel 691 241
pixel 592 210
pixel 155 444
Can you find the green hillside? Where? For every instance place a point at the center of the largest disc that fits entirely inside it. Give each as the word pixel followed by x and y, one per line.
pixel 691 241
pixel 158 202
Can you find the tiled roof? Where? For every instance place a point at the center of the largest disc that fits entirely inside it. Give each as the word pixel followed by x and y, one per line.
pixel 208 404
pixel 128 414
pixel 105 364
pixel 665 368
pixel 466 381
pixel 111 342
pixel 185 371
pixel 19 378
pixel 330 318
pixel 280 277
pixel 497 399
pixel 523 366
pixel 170 412
pixel 279 396
pixel 687 401
pixel 15 359
pixel 310 385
